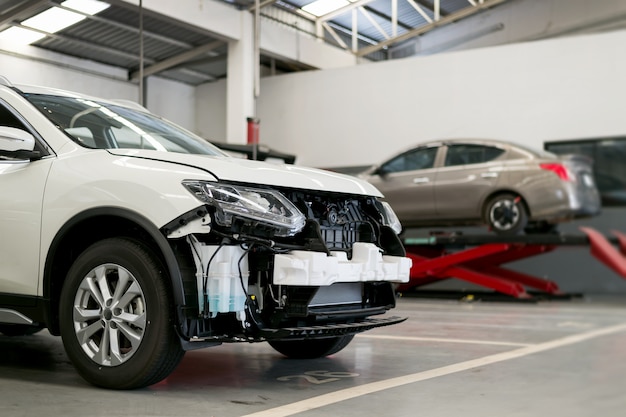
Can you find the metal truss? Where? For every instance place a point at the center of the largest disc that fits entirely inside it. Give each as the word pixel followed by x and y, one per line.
pixel 388 21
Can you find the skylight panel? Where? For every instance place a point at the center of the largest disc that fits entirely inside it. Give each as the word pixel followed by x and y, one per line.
pixel 322 7
pixel 20 36
pixel 53 20
pixel 89 7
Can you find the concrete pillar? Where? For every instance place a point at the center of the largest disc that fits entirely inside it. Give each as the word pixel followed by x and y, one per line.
pixel 240 102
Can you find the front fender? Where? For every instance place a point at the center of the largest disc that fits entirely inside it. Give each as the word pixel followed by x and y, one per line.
pixel 92 179
pixel 90 226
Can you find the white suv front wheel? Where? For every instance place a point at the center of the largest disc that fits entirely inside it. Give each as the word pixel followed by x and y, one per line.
pixel 115 316
pixel 311 348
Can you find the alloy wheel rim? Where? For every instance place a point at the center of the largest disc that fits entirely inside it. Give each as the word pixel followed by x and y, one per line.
pixel 109 315
pixel 505 214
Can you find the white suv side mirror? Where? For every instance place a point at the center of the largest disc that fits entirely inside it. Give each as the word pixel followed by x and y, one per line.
pixel 12 139
pixel 17 143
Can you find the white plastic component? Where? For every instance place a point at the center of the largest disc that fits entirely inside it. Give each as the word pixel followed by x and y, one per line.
pixel 225 288
pixel 317 269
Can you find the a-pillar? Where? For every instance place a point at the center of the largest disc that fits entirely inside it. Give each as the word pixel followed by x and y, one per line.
pixel 240 102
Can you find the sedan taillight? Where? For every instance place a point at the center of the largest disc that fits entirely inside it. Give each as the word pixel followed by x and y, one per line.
pixel 560 170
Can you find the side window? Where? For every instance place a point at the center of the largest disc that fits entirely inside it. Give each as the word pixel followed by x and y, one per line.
pixel 471 154
pixel 8 119
pixel 421 158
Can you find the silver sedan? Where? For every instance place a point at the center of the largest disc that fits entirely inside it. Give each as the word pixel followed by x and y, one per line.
pixel 466 182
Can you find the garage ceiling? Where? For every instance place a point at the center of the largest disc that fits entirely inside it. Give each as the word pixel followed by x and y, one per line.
pixel 189 54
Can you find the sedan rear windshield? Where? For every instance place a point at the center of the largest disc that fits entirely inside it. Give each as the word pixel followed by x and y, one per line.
pixel 101 125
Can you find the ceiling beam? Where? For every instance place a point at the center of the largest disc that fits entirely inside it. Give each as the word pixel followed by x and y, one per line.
pixel 468 11
pixel 202 60
pixel 387 17
pixel 373 22
pixel 176 60
pixel 128 28
pixel 262 4
pixel 21 12
pixel 335 36
pixel 83 43
pixel 203 77
pixel 418 8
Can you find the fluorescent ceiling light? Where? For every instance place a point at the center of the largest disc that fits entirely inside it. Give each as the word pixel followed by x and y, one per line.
pixel 53 20
pixel 89 7
pixel 20 36
pixel 322 7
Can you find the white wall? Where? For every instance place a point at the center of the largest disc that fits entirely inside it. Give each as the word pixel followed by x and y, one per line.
pixel 571 87
pixel 62 75
pixel 523 20
pixel 172 100
pixel 210 111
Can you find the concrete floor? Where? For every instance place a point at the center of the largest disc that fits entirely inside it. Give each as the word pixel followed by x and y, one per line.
pixel 551 358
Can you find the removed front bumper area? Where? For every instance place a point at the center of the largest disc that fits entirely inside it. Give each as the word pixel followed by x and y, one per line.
pixel 316 268
pixel 293 295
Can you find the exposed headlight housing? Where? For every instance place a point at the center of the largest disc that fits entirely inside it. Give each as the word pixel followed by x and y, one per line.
pixel 268 207
pixel 390 218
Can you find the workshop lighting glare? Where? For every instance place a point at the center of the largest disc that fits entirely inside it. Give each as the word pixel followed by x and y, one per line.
pixel 53 20
pixel 89 7
pixel 20 36
pixel 322 7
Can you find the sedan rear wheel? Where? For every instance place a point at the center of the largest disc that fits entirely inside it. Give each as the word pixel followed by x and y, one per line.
pixel 115 316
pixel 506 214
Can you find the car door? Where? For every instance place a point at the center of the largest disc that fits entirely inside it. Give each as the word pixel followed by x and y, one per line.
pixel 22 185
pixel 469 173
pixel 407 183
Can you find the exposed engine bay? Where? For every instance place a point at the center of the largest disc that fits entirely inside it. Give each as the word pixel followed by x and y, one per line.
pixel 327 279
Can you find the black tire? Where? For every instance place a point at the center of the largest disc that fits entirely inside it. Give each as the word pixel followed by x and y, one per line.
pixel 311 348
pixel 506 214
pixel 116 316
pixel 18 329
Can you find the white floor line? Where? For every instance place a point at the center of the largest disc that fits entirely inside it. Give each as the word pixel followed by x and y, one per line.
pixel 348 393
pixel 444 340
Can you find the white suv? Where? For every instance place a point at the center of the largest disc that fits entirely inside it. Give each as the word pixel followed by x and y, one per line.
pixel 135 240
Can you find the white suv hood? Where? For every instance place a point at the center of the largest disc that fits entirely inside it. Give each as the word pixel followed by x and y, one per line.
pixel 256 172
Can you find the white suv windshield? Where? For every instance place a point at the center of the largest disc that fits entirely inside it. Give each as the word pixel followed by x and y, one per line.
pixel 104 126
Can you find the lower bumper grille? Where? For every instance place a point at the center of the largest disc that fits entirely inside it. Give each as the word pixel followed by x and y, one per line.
pixel 307 332
pixel 329 329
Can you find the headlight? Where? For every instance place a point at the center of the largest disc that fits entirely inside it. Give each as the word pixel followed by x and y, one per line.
pixel 390 218
pixel 265 206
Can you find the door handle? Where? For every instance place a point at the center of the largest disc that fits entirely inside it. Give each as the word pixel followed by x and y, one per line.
pixel 489 175
pixel 420 180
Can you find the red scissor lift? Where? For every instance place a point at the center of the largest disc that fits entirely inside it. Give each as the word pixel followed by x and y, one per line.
pixel 479 259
